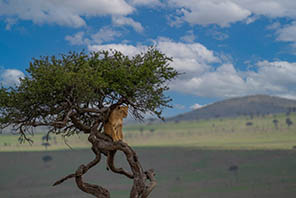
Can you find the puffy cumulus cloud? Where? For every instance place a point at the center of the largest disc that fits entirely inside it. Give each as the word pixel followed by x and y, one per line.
pixel 205 12
pixel 123 21
pixel 105 34
pixel 274 78
pixel 77 39
pixel 65 12
pixel 225 12
pixel 269 8
pixel 222 82
pixel 191 58
pixel 11 77
pixel 202 78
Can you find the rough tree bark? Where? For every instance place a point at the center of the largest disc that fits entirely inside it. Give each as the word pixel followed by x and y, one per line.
pixel 144 181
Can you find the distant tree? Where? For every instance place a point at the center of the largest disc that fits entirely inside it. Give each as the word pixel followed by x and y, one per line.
pixel 275 122
pixel 45 144
pixel 234 169
pixel 152 130
pixel 76 93
pixel 249 123
pixel 46 138
pixel 141 130
pixel 289 122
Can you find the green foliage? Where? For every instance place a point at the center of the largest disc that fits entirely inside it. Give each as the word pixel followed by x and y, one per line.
pixel 76 86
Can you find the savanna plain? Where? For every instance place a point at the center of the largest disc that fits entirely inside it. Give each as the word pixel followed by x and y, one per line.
pixel 231 157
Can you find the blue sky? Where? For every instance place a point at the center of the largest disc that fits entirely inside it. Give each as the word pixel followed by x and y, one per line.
pixel 226 48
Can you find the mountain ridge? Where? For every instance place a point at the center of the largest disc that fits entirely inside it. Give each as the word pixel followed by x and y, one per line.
pixel 239 106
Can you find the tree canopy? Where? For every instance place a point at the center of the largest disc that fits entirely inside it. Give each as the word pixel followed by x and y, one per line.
pixel 71 93
pixel 76 92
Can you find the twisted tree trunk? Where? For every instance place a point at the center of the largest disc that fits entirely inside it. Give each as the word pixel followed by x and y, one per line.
pixel 103 144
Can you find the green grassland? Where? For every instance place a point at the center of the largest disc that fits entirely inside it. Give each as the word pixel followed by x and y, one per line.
pixel 191 159
pixel 180 173
pixel 228 133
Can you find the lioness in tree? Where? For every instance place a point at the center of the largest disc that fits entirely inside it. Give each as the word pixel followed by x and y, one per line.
pixel 113 127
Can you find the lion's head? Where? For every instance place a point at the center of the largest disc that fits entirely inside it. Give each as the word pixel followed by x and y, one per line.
pixel 123 111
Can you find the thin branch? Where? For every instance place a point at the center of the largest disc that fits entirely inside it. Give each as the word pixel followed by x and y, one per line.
pixel 95 190
pixel 65 141
pixel 23 134
pixel 61 124
pixel 87 167
pixel 79 125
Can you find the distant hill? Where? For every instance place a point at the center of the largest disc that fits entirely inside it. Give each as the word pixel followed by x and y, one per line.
pixel 248 105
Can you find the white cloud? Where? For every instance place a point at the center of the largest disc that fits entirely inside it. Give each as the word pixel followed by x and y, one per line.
pixel 77 39
pixel 105 34
pixel 149 3
pixel 189 37
pixel 192 58
pixel 274 26
pixel 122 21
pixel 196 106
pixel 222 82
pixel 274 78
pixel 287 33
pixel 201 78
pixel 65 12
pixel 218 35
pixel 225 12
pixel 205 12
pixel 11 77
pixel 269 8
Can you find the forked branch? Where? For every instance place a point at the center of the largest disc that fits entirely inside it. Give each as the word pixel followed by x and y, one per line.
pixel 103 144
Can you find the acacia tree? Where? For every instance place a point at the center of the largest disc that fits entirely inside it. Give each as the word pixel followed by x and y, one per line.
pixel 75 93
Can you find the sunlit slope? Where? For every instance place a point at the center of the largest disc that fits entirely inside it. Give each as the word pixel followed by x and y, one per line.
pixel 258 132
pixel 255 105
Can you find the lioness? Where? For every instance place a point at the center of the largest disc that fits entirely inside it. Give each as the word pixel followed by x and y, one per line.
pixel 113 127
